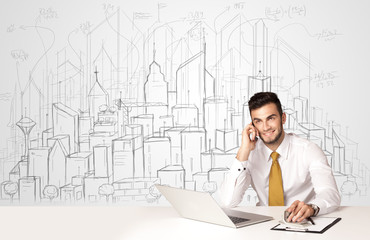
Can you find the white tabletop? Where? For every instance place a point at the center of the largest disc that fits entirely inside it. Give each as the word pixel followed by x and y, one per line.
pixel 136 222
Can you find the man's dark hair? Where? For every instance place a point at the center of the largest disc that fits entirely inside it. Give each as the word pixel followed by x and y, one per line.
pixel 260 99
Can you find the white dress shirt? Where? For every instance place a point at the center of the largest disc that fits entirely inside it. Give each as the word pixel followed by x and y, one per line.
pixel 305 171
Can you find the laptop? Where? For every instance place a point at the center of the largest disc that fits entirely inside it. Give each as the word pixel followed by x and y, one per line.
pixel 202 207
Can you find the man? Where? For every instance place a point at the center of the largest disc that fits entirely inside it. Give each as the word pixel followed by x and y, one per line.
pixel 283 169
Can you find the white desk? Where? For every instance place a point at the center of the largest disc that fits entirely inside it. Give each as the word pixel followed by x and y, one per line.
pixel 147 223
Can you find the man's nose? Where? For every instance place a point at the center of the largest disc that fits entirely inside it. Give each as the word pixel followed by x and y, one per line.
pixel 266 126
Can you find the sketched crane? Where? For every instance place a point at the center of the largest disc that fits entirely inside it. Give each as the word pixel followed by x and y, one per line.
pixel 126 108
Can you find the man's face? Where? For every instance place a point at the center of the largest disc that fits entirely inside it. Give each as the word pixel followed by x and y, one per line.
pixel 269 124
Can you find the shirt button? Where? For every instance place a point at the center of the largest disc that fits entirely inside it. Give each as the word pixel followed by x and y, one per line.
pixel 244 169
pixel 239 169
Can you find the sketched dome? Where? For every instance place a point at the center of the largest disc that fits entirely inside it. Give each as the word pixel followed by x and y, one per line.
pixel 26 122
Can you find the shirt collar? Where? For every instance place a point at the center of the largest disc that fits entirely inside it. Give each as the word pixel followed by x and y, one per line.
pixel 284 146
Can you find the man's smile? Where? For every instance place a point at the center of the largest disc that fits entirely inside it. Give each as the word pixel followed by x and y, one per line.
pixel 269 133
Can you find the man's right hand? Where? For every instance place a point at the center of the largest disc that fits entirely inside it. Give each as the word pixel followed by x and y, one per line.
pixel 249 139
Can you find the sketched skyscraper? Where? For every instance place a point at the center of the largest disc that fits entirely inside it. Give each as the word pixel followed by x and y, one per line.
pixel 155 87
pixel 38 164
pixel 128 157
pixel 29 190
pixel 259 81
pixel 260 48
pixel 192 79
pixel 57 163
pixel 65 121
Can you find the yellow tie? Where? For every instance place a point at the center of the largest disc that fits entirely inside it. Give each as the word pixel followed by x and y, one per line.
pixel 276 193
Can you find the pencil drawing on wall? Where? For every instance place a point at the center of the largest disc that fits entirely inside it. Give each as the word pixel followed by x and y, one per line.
pixel 101 112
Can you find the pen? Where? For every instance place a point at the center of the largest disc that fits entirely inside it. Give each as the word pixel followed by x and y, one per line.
pixel 296 229
pixel 310 219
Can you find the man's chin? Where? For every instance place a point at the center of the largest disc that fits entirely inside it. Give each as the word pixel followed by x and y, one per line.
pixel 269 142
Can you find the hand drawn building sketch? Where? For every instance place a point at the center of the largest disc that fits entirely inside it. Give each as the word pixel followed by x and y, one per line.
pixel 102 110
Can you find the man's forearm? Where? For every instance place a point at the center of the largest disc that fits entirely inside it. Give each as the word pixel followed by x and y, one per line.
pixel 243 154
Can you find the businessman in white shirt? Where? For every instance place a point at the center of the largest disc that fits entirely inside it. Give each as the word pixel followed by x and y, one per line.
pixel 282 168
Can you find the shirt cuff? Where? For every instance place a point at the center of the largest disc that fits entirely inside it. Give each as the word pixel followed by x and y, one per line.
pixel 321 204
pixel 238 167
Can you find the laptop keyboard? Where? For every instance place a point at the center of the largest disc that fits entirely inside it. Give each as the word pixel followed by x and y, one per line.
pixel 237 220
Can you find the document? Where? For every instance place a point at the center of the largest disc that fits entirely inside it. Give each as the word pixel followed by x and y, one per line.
pixel 321 225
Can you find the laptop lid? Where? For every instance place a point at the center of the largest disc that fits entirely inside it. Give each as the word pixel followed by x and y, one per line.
pixel 202 207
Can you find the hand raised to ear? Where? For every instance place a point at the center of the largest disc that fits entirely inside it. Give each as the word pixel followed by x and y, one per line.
pixel 249 140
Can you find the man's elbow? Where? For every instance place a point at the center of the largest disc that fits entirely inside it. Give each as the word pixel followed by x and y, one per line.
pixel 333 203
pixel 337 200
pixel 227 201
pixel 228 204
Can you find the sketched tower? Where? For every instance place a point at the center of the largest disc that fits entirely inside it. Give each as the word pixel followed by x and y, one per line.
pixel 26 124
pixel 97 96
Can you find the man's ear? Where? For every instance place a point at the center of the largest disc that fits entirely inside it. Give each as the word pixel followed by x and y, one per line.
pixel 283 118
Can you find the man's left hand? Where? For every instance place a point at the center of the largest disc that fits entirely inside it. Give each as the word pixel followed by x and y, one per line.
pixel 299 211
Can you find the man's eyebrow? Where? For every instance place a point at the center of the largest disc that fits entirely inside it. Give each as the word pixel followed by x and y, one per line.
pixel 272 115
pixel 256 119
